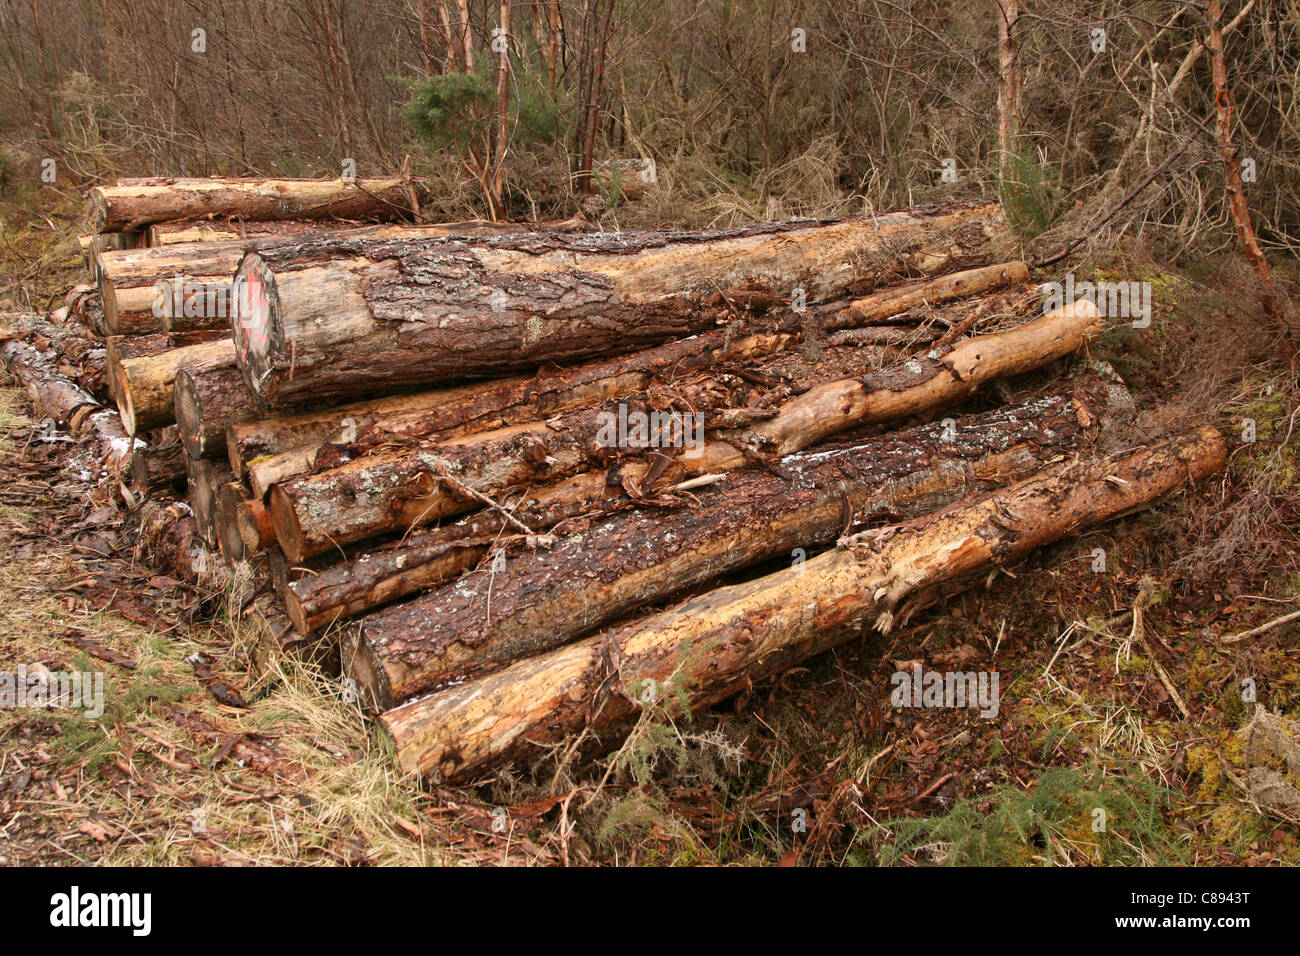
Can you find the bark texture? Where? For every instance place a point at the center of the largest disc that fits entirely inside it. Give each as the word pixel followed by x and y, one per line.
pixel 407 313
pixel 709 647
pixel 533 599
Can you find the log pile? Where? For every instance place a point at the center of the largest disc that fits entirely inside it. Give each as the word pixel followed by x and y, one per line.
pixel 506 474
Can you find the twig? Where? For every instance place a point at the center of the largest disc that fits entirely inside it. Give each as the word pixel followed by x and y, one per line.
pixel 1140 632
pixel 1254 631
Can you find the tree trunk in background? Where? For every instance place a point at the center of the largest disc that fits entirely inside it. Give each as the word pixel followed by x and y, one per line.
pixel 1008 82
pixel 1230 155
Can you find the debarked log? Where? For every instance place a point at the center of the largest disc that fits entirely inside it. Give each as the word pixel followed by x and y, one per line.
pixel 532 599
pixel 129 207
pixel 709 647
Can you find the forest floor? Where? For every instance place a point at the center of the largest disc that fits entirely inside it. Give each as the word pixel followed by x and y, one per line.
pixel 174 773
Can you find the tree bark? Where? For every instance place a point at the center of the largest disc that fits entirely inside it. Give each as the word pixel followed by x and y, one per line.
pixel 1236 189
pixel 208 398
pixel 242 525
pixel 125 208
pixel 407 313
pixel 145 395
pixel 53 395
pixel 204 478
pixel 535 599
pixel 159 469
pixel 385 493
pixel 127 279
pixel 709 647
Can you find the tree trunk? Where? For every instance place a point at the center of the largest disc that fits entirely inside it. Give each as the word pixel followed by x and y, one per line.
pixel 206 230
pixel 159 469
pixel 1236 189
pixel 1008 82
pixel 291 444
pixel 542 597
pixel 242 525
pixel 404 313
pixel 709 647
pixel 208 398
pixel 127 208
pixel 384 493
pixel 53 395
pixel 145 385
pixel 204 478
pixel 128 279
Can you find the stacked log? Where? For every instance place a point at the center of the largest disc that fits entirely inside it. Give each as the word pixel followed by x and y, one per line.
pixel 334 318
pixel 709 647
pixel 503 475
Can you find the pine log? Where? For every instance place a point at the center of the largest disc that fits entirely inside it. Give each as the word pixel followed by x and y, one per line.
pixel 172 233
pixel 53 395
pixel 159 469
pixel 168 539
pixel 289 445
pixel 208 398
pixel 144 385
pixel 211 230
pixel 956 285
pixel 533 599
pixel 242 525
pixel 384 493
pixel 337 319
pixel 204 478
pixel 447 412
pixel 709 647
pixel 130 207
pixel 429 556
pixel 189 303
pixel 114 449
pixel 128 280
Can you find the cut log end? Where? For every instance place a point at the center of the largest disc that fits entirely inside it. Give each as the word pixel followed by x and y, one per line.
pixel 189 415
pixel 255 319
pixel 284 521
